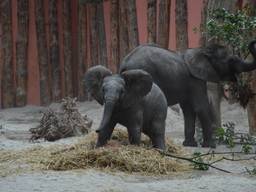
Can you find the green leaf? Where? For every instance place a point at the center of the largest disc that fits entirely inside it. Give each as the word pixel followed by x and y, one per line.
pixel 198 160
pixel 220 134
pixel 232 29
pixel 246 148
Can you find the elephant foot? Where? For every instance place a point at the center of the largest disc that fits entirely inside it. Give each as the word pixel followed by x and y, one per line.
pixel 210 144
pixel 159 146
pixel 158 142
pixel 100 144
pixel 190 143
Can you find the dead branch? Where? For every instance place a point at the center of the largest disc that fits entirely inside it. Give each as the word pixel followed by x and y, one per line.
pixel 65 123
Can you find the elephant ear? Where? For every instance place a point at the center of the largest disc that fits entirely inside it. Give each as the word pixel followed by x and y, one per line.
pixel 200 65
pixel 138 83
pixel 93 80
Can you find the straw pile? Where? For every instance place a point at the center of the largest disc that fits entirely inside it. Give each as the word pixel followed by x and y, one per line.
pixel 67 122
pixel 114 157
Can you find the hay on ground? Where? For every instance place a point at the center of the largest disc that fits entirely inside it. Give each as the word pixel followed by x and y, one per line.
pixel 65 123
pixel 115 156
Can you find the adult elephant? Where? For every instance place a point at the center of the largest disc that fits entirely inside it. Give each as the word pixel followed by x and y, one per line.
pixel 183 77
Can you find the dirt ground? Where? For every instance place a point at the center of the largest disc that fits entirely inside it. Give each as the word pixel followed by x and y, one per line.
pixel 14 125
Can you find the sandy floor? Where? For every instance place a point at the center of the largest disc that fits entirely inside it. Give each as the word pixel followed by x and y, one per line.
pixel 14 125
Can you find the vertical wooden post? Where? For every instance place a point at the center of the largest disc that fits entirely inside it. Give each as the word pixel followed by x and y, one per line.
pixel 123 30
pixel 107 26
pixel 93 34
pixel 47 36
pixel 42 53
pixel 1 62
pixel 22 41
pixel 102 48
pixel 214 89
pixel 54 50
pixel 132 25
pixel 97 34
pixel 33 82
pixel 82 50
pixel 7 79
pixel 67 47
pixel 203 23
pixel 61 46
pixel 114 35
pixel 152 10
pixel 14 28
pixel 181 24
pixel 74 45
pixel 163 23
pixel 88 32
pixel 251 109
pixel 87 38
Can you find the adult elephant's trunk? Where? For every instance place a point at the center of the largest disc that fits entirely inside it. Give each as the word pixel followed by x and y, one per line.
pixel 248 66
pixel 105 129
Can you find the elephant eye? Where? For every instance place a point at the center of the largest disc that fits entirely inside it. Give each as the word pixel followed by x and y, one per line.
pixel 122 92
pixel 103 90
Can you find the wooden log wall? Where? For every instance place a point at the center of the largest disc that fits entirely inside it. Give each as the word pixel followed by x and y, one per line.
pixel 46 46
pixel 7 73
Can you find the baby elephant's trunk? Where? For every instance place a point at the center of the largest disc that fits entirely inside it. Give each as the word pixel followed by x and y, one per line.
pixel 105 129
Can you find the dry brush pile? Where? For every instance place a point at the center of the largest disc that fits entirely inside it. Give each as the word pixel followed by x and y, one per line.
pixel 67 122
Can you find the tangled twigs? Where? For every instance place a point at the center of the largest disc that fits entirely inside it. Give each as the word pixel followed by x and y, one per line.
pixel 65 123
pixel 240 91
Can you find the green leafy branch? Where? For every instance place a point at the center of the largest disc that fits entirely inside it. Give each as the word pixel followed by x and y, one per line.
pixel 198 160
pixel 233 29
pixel 226 135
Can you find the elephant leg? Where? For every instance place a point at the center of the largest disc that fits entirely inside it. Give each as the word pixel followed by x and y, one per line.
pixel 203 110
pixel 134 127
pixel 158 134
pixel 205 116
pixel 189 118
pixel 134 133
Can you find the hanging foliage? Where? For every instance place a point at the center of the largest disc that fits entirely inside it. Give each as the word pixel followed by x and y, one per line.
pixel 234 30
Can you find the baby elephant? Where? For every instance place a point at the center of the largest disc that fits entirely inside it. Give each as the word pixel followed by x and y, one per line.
pixel 131 99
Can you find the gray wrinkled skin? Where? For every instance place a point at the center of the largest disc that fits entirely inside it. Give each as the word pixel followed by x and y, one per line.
pixel 131 99
pixel 183 76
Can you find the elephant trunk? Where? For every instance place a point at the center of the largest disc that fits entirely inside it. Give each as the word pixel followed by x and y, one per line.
pixel 252 49
pixel 105 130
pixel 249 66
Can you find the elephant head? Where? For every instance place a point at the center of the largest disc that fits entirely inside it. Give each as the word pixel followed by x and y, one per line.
pixel 93 81
pixel 213 63
pixel 116 92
